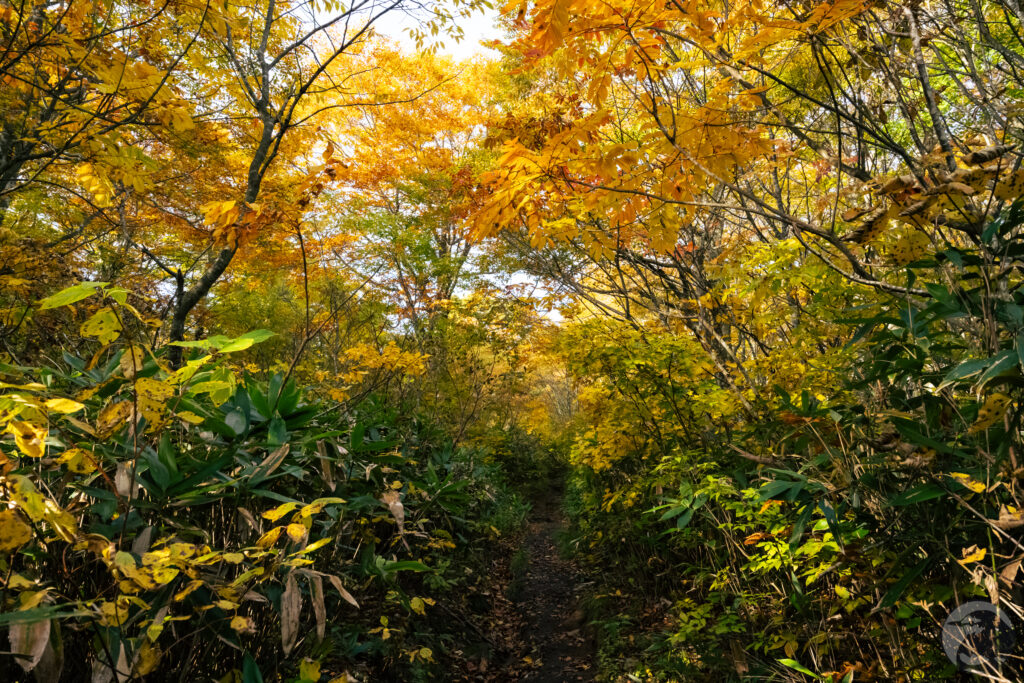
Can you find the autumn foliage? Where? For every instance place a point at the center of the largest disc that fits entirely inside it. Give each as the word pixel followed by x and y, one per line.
pixel 293 320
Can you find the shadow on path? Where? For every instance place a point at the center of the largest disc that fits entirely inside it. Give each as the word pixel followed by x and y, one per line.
pixel 533 629
pixel 558 647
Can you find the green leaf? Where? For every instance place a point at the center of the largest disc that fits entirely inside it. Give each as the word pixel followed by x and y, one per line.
pixel 1001 362
pixel 918 494
pixel 908 431
pixel 684 520
pixel 224 344
pixel 775 488
pixel 66 297
pixel 900 586
pixel 214 342
pixel 797 666
pixel 800 525
pixel 964 370
pixel 246 340
pixel 672 512
pixel 830 518
pixel 277 432
pixel 942 295
pixel 30 616
pixel 237 421
pixel 250 671
pixel 406 565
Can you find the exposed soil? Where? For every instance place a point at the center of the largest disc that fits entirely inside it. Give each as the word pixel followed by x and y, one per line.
pixel 535 629
pixel 559 647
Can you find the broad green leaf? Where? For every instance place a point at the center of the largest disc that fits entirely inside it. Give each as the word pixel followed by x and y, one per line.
pixel 964 370
pixel 75 293
pixel 222 344
pixel 246 340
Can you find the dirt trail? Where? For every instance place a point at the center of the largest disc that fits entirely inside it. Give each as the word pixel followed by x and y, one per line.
pixel 533 629
pixel 559 649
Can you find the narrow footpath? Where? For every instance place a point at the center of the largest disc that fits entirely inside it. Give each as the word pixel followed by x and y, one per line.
pixel 535 626
pixel 559 647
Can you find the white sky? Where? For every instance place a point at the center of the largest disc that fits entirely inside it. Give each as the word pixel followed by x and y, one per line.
pixel 478 27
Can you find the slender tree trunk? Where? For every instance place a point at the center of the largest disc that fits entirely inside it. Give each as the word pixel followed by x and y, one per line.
pixel 188 299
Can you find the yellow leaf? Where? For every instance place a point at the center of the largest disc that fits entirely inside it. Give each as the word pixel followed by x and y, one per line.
pixel 242 624
pixel 297 532
pixel 153 389
pixel 61 521
pixel 78 460
pixel 31 439
pixel 184 592
pixel 990 412
pixel 25 495
pixel 316 545
pixel 19 582
pixel 32 386
pixel 190 417
pixel 29 600
pixel 270 538
pixel 968 481
pixel 309 670
pixel 111 417
pixel 64 406
pixel 233 558
pixel 148 658
pixel 418 606
pixel 103 325
pixel 132 360
pixel 280 511
pixel 152 396
pixel 14 533
pixel 973 554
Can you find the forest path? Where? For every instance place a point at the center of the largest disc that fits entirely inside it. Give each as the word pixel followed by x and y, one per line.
pixel 533 629
pixel 558 648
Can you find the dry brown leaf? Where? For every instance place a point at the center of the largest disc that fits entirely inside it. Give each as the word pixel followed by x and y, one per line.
pixel 102 672
pixel 28 641
pixel 1009 520
pixel 336 582
pixel 992 587
pixel 123 481
pixel 132 360
pixel 983 156
pixel 291 608
pixel 851 215
pixel 392 499
pixel 898 183
pixel 249 519
pixel 52 662
pixel 273 461
pixel 1010 571
pixel 142 542
pixel 325 465
pixel 319 609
